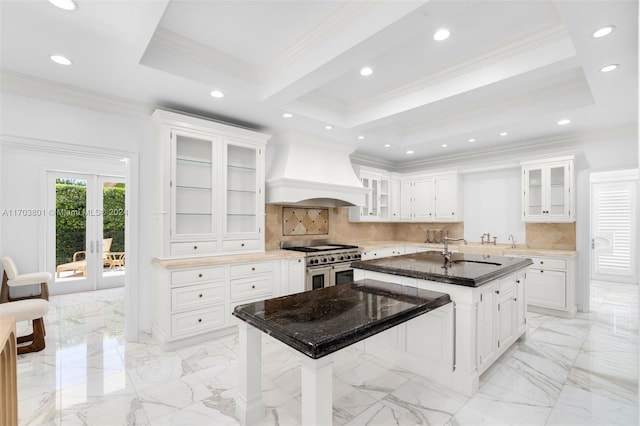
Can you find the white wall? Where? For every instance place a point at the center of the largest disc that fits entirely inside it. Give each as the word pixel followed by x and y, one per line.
pixel 53 125
pixel 492 204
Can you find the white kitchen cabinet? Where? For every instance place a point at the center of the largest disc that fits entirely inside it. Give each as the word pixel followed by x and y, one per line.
pixel 195 302
pixel 210 187
pixel 551 286
pixel 293 277
pixel 448 198
pixel 432 198
pixel 548 190
pixel 377 199
pixel 395 192
pixel 382 252
pixel 486 324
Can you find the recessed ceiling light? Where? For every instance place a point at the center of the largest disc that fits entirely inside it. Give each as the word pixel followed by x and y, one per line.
pixel 604 31
pixel 59 59
pixel 410 152
pixel 360 137
pixel 564 121
pixel 328 127
pixel 386 145
pixel 441 34
pixel 64 4
pixel 503 134
pixel 287 115
pixel 444 145
pixel 472 140
pixel 366 71
pixel 609 68
pixel 217 94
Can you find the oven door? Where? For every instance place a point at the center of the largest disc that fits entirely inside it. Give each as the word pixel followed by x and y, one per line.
pixel 318 277
pixel 341 273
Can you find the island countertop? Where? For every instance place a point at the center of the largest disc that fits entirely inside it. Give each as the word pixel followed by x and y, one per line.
pixel 470 270
pixel 320 322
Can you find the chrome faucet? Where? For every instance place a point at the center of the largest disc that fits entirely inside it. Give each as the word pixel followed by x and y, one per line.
pixel 513 241
pixel 446 253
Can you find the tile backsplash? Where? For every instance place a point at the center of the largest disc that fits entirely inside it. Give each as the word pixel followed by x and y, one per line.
pixel 558 236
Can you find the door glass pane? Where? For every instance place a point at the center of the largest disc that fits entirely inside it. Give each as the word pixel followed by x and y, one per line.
pixel 113 221
pixel 193 186
pixel 241 190
pixel 366 209
pixel 557 190
pixel 535 192
pixel 71 228
pixel 375 190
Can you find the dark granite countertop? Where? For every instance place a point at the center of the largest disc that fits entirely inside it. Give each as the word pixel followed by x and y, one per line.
pixel 470 270
pixel 320 322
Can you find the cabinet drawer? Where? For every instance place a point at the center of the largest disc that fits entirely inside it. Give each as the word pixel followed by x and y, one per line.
pixel 548 263
pixel 546 288
pixel 199 321
pixel 194 248
pixel 240 245
pixel 251 288
pixel 197 275
pixel 243 269
pixel 197 296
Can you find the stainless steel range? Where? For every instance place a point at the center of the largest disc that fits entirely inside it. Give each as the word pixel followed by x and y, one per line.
pixel 327 263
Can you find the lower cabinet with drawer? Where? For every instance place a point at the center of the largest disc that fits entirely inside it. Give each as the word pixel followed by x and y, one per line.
pixel 193 303
pixel 551 287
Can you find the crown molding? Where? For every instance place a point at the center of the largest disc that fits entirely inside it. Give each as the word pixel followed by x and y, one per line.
pixel 171 42
pixel 21 143
pixel 48 90
pixel 341 17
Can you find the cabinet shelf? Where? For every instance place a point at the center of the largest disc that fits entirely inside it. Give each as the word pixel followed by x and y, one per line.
pixel 243 168
pixel 193 188
pixel 194 161
pixel 242 191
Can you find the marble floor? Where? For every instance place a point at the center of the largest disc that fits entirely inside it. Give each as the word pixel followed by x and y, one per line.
pixel 582 371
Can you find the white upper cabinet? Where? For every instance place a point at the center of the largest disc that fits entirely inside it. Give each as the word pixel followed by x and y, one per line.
pixel 377 199
pixel 431 198
pixel 211 187
pixel 548 190
pixel 394 198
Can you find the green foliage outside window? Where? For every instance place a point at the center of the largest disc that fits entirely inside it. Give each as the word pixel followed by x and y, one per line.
pixel 71 211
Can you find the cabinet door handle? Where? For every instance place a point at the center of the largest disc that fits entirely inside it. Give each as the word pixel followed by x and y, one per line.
pixel 542 262
pixel 200 295
pixel 253 268
pixel 515 299
pixel 242 245
pixel 497 291
pixel 199 275
pixel 253 286
pixel 195 247
pixel 199 319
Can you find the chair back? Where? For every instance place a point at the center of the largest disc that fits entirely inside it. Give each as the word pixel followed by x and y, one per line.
pixel 10 267
pixel 106 247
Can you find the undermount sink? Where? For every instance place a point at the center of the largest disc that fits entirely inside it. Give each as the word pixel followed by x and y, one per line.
pixel 476 261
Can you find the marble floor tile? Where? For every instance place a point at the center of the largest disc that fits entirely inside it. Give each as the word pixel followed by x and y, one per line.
pixel 581 371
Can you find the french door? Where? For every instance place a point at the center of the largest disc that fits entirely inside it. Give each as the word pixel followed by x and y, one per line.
pixel 614 221
pixel 85 231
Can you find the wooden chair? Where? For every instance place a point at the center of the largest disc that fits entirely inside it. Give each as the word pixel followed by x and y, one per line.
pixel 11 277
pixel 32 310
pixel 79 264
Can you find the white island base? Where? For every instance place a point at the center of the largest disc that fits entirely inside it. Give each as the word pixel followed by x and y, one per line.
pixel 488 320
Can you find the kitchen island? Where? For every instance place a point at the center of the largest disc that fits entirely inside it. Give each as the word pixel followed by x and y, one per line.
pixel 489 297
pixel 321 322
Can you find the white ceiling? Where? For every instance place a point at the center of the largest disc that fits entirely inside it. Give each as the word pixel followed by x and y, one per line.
pixel 512 66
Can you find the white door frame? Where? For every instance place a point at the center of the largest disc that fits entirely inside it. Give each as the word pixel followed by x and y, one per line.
pixel 132 195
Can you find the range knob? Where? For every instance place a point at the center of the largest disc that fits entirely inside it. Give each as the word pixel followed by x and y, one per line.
pixel 341 258
pixel 324 260
pixel 348 257
pixel 333 259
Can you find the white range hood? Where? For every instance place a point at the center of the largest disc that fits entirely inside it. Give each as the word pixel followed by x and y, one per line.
pixel 310 171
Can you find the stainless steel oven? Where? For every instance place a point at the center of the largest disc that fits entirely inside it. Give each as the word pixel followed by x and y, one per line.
pixel 327 263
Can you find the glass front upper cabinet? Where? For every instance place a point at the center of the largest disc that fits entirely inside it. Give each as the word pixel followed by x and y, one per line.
pixel 242 189
pixel 547 192
pixel 193 185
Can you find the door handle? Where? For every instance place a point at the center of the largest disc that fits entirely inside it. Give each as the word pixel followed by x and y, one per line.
pixel 91 247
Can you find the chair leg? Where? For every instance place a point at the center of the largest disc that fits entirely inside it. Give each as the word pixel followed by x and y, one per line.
pixel 44 291
pixel 38 342
pixel 4 290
